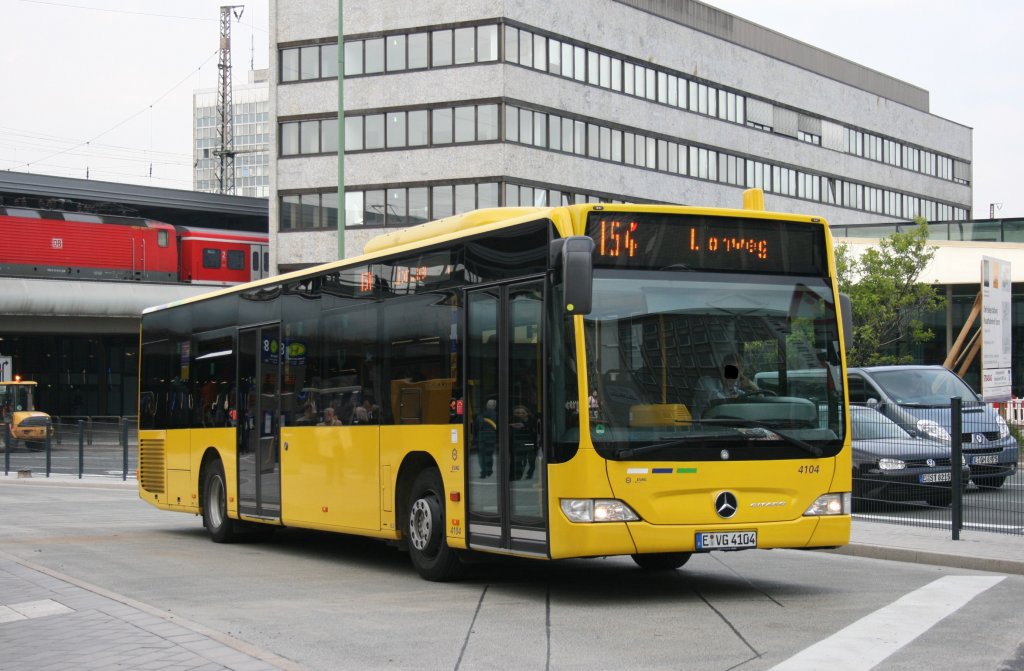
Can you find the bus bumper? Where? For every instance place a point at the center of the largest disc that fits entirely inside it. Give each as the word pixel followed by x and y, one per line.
pixel 804 532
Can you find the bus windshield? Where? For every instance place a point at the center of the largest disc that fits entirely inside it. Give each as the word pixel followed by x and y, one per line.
pixel 682 364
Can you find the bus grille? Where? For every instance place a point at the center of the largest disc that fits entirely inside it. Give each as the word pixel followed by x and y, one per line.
pixel 151 465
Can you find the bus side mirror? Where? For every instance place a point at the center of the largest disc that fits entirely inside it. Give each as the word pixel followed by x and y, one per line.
pixel 575 255
pixel 846 315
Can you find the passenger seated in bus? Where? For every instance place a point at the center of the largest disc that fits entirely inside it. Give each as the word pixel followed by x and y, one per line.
pixel 731 382
pixel 308 417
pixel 330 419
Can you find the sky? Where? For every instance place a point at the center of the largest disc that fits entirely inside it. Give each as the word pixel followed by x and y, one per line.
pixel 103 88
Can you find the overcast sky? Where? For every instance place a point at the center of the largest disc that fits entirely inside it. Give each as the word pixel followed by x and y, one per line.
pixel 106 85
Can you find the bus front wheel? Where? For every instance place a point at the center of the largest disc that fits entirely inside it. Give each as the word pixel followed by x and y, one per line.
pixel 215 505
pixel 661 561
pixel 425 528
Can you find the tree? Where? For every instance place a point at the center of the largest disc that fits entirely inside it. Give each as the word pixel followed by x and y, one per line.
pixel 888 301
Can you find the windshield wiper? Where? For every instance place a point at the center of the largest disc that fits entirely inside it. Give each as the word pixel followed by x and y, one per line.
pixel 629 452
pixel 813 450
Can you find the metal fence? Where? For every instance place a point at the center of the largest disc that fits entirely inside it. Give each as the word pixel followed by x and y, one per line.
pixel 908 470
pixel 82 446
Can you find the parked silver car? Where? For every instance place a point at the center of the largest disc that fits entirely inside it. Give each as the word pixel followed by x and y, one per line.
pixel 918 398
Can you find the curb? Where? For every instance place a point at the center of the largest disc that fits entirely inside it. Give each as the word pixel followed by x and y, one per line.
pixel 991 564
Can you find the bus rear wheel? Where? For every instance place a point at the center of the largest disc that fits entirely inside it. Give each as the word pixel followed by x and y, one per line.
pixel 662 561
pixel 431 556
pixel 215 504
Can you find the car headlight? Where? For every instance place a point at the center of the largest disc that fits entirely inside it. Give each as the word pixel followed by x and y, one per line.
pixel 830 504
pixel 1004 429
pixel 887 464
pixel 598 510
pixel 932 429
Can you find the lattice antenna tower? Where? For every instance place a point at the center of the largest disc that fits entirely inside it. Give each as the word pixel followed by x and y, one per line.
pixel 225 108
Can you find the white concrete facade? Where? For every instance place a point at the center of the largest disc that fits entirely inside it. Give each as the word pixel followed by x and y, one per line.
pixel 787 93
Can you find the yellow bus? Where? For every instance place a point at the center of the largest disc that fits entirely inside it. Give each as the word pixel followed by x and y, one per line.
pixel 539 382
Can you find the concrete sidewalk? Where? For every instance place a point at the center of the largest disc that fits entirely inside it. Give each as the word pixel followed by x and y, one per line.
pixel 975 550
pixel 50 622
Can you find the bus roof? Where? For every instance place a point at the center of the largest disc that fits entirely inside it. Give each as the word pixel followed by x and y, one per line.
pixel 569 219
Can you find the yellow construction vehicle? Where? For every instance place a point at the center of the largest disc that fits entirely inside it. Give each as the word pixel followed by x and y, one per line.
pixel 21 419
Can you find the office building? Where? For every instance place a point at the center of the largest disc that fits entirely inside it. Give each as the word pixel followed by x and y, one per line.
pixel 251 134
pixel 450 105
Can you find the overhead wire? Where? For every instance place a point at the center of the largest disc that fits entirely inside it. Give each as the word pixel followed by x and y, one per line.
pixel 122 122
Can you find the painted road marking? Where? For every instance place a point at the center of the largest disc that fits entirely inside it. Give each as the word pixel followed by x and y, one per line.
pixel 869 640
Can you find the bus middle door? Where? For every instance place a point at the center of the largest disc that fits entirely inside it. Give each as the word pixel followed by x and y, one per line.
pixel 259 389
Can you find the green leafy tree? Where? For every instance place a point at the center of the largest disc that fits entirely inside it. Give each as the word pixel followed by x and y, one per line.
pixel 888 300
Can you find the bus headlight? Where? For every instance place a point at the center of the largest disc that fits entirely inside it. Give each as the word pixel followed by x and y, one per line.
pixel 598 510
pixel 830 504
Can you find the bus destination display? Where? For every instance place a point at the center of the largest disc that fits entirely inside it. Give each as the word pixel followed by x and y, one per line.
pixel 648 240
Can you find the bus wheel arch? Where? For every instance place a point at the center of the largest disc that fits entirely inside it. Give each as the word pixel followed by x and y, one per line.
pixel 421 507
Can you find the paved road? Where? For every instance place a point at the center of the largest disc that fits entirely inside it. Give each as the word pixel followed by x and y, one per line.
pixel 320 601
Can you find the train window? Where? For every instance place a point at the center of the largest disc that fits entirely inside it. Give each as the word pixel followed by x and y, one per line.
pixel 266 263
pixel 162 238
pixel 236 259
pixel 211 258
pixel 83 217
pixel 20 212
pixel 256 261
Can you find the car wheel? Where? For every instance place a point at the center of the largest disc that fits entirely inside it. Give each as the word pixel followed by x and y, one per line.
pixel 662 561
pixel 431 556
pixel 990 482
pixel 215 504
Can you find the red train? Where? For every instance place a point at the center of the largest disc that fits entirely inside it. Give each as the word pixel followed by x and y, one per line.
pixel 76 245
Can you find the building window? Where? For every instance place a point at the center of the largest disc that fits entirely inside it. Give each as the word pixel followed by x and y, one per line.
pixel 315 136
pixel 309 211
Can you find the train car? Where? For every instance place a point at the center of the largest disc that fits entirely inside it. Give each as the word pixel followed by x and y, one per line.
pixel 77 245
pixel 209 256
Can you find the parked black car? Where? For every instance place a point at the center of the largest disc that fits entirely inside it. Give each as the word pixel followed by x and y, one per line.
pixel 918 398
pixel 891 465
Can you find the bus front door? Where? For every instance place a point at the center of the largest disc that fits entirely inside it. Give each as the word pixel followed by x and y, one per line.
pixel 259 386
pixel 505 458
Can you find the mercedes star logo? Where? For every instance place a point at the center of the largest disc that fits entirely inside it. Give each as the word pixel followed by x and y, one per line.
pixel 725 505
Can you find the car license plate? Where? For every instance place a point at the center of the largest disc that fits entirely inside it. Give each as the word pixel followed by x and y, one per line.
pixel 936 477
pixel 726 540
pixel 985 459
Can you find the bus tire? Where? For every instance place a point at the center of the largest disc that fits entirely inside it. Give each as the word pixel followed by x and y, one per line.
pixel 215 504
pixel 662 561
pixel 431 556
